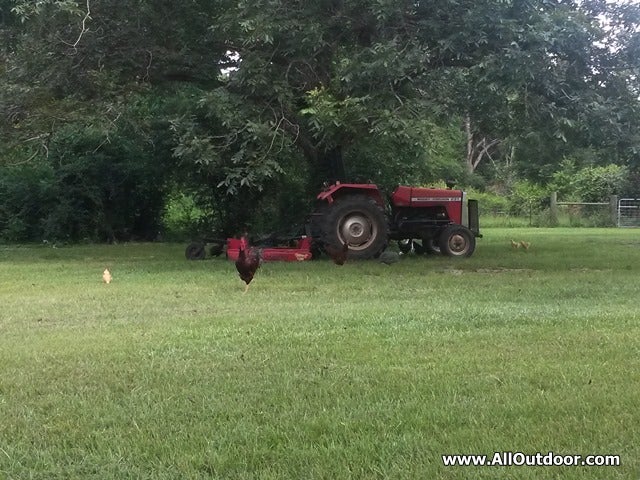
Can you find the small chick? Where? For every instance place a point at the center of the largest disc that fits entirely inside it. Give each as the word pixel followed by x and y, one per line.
pixel 525 245
pixel 106 276
pixel 514 244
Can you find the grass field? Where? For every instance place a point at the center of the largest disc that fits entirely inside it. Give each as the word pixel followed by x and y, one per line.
pixel 356 372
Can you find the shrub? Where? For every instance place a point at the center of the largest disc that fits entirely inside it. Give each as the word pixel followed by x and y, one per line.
pixel 490 203
pixel 182 216
pixel 88 188
pixel 27 193
pixel 527 199
pixel 595 184
pixel 590 184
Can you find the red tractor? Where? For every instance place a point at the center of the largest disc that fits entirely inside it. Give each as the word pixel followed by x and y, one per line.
pixel 435 220
pixel 444 220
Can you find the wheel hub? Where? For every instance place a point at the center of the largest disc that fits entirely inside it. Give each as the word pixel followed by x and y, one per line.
pixel 357 231
pixel 457 243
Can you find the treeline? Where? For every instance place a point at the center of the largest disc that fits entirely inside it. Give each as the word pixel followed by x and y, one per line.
pixel 162 117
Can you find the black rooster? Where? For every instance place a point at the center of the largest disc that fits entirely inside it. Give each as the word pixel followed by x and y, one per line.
pixel 247 264
pixel 337 254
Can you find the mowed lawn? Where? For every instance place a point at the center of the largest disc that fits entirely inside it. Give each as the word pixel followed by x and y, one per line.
pixel 357 372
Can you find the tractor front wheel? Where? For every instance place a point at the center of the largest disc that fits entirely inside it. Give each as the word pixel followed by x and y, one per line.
pixel 457 241
pixel 358 221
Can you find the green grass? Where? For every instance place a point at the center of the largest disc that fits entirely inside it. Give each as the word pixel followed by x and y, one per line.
pixel 361 371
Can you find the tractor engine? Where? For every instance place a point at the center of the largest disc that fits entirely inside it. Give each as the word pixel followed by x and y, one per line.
pixel 443 219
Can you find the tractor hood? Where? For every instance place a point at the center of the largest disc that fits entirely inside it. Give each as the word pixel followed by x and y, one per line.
pixel 424 197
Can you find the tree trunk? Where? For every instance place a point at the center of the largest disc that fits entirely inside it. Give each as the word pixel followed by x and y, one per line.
pixel 467 129
pixel 476 151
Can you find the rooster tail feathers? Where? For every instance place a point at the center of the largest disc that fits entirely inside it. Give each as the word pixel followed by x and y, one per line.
pixel 339 243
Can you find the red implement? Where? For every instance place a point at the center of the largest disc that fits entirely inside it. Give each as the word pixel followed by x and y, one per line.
pixel 300 252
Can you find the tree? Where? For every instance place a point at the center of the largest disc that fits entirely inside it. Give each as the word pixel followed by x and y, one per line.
pixel 546 78
pixel 114 77
pixel 313 80
pixel 252 95
pixel 313 77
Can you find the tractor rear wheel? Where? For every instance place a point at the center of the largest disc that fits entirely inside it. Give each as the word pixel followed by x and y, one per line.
pixel 457 241
pixel 358 221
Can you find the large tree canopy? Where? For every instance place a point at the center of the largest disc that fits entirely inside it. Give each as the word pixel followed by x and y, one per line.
pixel 240 98
pixel 545 76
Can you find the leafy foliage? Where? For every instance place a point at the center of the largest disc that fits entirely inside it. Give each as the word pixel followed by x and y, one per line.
pixel 247 107
pixel 591 184
pixel 92 185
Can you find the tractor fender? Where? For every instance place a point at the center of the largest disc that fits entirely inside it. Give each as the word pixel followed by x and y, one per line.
pixel 337 190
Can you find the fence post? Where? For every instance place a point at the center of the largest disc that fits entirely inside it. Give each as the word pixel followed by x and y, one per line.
pixel 613 205
pixel 553 209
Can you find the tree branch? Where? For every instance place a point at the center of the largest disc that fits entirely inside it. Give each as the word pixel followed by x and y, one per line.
pixel 84 29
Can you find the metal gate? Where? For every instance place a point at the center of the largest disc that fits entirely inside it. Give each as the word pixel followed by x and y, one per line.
pixel 629 212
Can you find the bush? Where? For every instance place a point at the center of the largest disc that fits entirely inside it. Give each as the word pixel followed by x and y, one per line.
pixel 527 199
pixel 86 189
pixel 182 217
pixel 27 193
pixel 490 203
pixel 596 184
pixel 590 184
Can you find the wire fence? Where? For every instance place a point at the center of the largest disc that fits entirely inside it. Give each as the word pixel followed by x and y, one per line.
pixel 628 212
pixel 596 213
